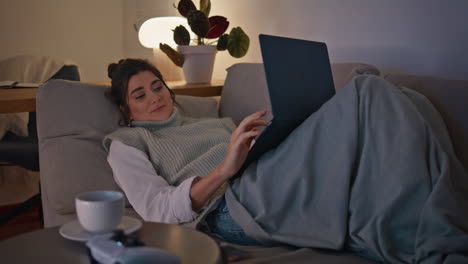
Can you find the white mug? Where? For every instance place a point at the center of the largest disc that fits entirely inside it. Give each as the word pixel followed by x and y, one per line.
pixel 99 211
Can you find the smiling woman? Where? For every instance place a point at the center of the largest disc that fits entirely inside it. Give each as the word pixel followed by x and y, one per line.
pixel 192 159
pixel 141 93
pixel 148 98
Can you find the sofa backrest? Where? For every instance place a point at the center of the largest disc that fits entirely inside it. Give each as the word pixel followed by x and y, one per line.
pixel 245 89
pixel 450 97
pixel 74 117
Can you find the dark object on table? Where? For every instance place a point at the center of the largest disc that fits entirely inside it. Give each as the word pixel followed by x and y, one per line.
pixel 118 247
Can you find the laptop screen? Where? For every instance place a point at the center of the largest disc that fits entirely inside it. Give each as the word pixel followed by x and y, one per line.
pixel 298 75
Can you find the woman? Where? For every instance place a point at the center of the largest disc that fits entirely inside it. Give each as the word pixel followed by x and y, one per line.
pixel 142 96
pixel 341 179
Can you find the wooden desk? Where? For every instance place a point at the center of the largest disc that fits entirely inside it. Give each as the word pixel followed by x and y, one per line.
pixel 18 100
pixel 24 99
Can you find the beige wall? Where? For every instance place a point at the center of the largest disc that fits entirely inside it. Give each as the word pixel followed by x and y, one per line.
pixel 419 36
pixel 88 32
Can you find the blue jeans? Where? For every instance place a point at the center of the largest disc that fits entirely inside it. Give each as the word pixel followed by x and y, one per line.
pixel 222 225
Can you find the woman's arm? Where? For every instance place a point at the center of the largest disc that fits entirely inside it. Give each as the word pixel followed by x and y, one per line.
pixel 203 188
pixel 150 195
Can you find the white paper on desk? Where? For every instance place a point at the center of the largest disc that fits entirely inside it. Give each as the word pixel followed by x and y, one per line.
pixel 12 84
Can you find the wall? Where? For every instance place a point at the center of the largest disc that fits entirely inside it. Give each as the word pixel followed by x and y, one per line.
pixel 88 32
pixel 418 36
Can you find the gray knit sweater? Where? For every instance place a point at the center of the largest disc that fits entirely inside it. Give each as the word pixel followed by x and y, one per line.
pixel 180 147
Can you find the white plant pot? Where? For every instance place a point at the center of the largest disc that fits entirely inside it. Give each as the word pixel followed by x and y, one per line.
pixel 198 63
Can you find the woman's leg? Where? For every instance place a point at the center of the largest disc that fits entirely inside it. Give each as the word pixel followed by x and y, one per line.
pixel 223 226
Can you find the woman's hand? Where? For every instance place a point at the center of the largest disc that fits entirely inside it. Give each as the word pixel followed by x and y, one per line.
pixel 241 139
pixel 240 142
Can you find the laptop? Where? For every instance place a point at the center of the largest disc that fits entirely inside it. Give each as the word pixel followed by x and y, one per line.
pixel 299 80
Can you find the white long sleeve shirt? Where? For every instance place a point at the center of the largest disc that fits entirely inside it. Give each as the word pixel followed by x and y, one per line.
pixel 149 194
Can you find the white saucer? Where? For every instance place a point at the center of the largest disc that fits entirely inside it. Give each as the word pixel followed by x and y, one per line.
pixel 74 231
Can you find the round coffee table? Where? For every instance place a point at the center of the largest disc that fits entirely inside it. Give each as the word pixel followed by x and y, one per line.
pixel 48 246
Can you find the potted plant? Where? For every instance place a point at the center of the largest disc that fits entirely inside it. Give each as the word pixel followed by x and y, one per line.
pixel 197 60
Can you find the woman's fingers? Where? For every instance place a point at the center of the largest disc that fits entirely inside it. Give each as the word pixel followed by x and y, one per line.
pixel 238 148
pixel 248 136
pixel 244 139
pixel 252 117
pixel 256 123
pixel 251 121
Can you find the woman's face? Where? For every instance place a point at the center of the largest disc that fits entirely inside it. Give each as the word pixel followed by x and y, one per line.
pixel 148 98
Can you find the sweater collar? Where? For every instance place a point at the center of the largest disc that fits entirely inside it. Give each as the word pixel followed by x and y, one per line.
pixel 174 120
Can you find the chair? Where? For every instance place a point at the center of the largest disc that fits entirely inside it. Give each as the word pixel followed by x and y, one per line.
pixel 23 151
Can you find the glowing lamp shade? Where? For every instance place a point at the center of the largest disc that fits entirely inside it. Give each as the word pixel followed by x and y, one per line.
pixel 159 30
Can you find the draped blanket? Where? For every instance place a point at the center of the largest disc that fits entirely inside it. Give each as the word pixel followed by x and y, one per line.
pixel 373 171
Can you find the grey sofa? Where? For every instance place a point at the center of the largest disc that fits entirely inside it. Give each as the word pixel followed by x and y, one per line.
pixel 73 117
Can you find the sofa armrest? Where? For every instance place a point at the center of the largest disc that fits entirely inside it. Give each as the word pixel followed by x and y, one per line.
pixel 449 97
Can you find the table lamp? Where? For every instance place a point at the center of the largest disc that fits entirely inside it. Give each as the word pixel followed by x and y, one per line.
pixel 159 30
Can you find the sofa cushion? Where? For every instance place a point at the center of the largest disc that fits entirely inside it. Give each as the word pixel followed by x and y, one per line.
pixel 245 89
pixel 72 119
pixel 450 97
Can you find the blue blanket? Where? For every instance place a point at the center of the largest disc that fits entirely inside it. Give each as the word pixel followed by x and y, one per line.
pixel 373 171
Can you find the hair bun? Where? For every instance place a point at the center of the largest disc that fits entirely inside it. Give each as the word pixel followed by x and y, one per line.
pixel 112 70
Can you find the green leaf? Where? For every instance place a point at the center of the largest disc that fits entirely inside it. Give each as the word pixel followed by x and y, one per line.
pixel 181 35
pixel 205 7
pixel 177 58
pixel 198 22
pixel 238 42
pixel 222 42
pixel 185 6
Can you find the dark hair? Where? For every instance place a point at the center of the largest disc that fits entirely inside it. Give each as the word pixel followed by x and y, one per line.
pixel 120 73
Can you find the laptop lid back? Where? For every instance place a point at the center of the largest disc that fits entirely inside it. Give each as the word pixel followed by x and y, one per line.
pixel 298 75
